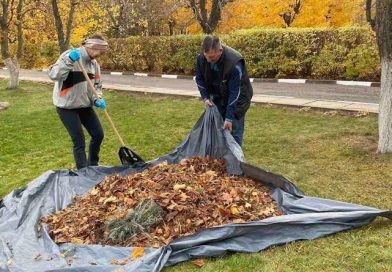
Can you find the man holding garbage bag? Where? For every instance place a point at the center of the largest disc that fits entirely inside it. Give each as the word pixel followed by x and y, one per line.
pixel 222 79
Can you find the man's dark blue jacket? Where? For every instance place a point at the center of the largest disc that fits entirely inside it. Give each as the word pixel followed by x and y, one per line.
pixel 226 82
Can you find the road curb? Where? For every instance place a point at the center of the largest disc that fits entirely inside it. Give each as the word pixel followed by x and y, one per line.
pixel 345 106
pixel 259 80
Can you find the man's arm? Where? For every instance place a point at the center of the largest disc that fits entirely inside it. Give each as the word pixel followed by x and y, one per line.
pixel 201 84
pixel 234 84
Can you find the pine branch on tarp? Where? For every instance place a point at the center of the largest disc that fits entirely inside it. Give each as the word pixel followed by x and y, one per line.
pixel 145 215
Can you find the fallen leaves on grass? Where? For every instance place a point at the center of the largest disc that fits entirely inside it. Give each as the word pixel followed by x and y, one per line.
pixel 199 262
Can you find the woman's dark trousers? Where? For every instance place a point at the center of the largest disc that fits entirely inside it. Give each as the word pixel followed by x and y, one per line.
pixel 73 120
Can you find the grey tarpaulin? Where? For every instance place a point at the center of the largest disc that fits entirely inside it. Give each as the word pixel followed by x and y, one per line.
pixel 21 240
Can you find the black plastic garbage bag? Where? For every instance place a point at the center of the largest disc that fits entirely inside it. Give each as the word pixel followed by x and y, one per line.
pixel 26 247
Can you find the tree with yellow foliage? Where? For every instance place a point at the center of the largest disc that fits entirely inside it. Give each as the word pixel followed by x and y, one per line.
pixel 291 13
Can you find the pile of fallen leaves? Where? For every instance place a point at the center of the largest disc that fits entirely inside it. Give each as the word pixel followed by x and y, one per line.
pixel 195 194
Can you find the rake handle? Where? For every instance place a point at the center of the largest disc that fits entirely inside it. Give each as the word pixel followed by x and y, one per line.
pixel 91 85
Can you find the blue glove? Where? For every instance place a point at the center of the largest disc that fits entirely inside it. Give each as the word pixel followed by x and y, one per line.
pixel 100 103
pixel 74 55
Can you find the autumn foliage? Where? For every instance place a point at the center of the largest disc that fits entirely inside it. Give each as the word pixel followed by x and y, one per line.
pixel 279 39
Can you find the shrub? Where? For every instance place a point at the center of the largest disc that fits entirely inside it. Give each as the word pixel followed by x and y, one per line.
pixel 343 53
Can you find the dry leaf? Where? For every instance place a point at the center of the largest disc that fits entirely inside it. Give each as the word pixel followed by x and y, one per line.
pixel 184 197
pixel 69 261
pixel 226 198
pixel 39 230
pixel 137 253
pixel 224 211
pixel 110 199
pixel 61 240
pixel 162 164
pixel 117 262
pixel 77 241
pixel 234 210
pixel 178 187
pixel 199 262
pixel 211 173
pixel 38 257
pixel 94 192
pixel 199 222
pixel 172 206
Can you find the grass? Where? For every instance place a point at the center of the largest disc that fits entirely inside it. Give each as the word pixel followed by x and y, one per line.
pixel 329 156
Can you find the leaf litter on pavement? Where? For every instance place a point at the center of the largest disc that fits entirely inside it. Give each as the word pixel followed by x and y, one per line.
pixel 195 194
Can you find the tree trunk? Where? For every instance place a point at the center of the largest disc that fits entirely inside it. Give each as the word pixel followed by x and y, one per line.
pixel 13 69
pixel 4 30
pixel 71 16
pixel 289 16
pixel 384 38
pixel 385 108
pixel 59 26
pixel 199 9
pixel 12 65
pixel 63 39
pixel 369 18
pixel 19 17
pixel 171 23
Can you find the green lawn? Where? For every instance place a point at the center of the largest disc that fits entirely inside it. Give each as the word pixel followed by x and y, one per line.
pixel 329 156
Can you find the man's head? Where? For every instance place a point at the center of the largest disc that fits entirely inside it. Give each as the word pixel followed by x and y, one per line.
pixel 96 46
pixel 212 48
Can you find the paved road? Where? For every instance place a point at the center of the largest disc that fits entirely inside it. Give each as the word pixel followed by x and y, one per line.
pixel 307 91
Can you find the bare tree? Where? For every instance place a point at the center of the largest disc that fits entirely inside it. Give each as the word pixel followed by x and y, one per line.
pixel 289 16
pixel 11 18
pixel 381 21
pixel 64 35
pixel 207 22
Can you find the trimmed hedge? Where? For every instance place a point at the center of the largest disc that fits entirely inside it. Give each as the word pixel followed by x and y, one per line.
pixel 344 53
pixel 175 54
